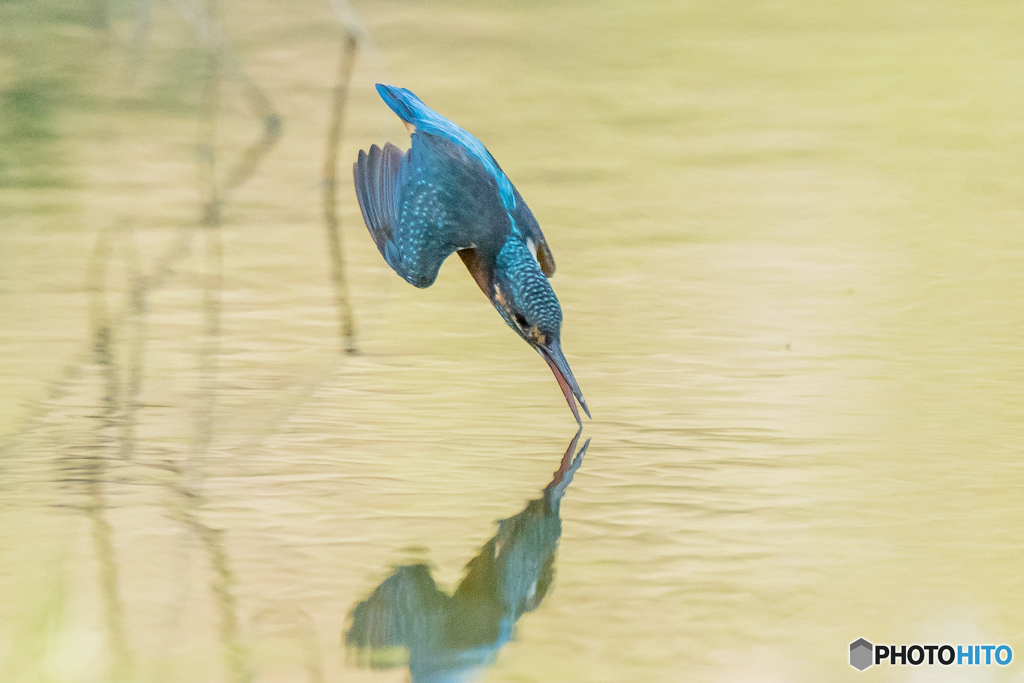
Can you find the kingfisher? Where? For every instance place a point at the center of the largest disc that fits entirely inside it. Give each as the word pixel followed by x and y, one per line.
pixel 447 194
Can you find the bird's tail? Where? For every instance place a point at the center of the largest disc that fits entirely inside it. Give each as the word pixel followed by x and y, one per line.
pixel 408 107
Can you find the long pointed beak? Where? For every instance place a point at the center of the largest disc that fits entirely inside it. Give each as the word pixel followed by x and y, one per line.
pixel 552 353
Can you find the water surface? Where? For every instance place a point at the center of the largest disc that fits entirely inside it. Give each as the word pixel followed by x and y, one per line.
pixel 790 262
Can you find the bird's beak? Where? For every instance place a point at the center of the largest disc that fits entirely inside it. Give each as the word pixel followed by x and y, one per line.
pixel 552 353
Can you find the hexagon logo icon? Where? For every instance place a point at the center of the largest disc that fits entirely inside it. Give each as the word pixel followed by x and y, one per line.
pixel 861 654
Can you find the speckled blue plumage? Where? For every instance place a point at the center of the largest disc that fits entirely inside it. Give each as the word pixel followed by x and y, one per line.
pixel 520 273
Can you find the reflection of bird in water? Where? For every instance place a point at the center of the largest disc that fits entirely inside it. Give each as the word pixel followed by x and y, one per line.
pixel 408 620
pixel 447 193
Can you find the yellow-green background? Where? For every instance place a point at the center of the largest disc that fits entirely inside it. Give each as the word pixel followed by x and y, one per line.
pixel 791 264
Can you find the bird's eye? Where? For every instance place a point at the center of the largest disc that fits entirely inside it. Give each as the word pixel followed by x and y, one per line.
pixel 520 320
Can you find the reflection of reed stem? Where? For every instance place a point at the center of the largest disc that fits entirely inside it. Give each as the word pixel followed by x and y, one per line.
pixel 212 282
pixel 208 134
pixel 164 268
pixel 206 401
pixel 252 156
pixel 212 257
pixel 187 504
pixel 221 59
pixel 137 342
pixel 102 534
pixel 222 587
pixel 207 29
pixel 330 178
pixel 94 468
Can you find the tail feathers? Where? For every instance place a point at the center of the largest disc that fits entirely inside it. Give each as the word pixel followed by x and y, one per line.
pixel 378 184
pixel 404 103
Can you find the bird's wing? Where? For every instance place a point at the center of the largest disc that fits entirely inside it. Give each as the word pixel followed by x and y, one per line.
pixel 405 215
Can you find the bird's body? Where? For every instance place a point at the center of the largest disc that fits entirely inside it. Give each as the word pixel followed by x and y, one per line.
pixel 448 194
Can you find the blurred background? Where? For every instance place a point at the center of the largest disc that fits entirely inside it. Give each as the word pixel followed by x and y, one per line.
pixel 791 265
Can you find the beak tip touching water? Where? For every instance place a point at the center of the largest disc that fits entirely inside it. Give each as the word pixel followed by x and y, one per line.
pixel 552 353
pixel 583 403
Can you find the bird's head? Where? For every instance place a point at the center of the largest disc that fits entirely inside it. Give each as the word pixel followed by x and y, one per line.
pixel 521 293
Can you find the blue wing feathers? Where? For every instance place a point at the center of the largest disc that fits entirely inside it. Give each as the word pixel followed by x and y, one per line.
pixel 403 215
pixel 376 181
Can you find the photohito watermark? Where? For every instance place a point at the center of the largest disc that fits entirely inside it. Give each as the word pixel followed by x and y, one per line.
pixel 863 654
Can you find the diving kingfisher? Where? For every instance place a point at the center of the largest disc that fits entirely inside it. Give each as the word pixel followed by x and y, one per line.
pixel 447 193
